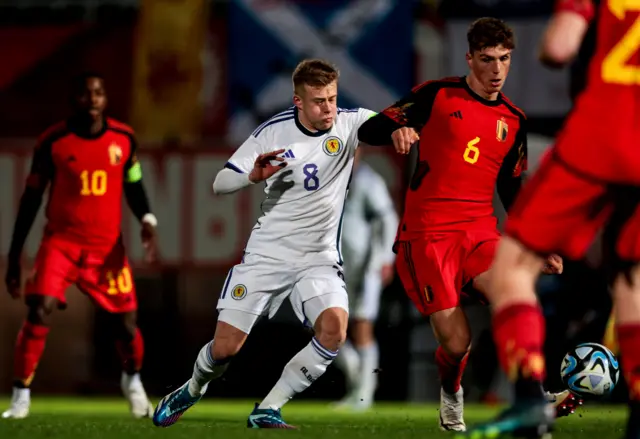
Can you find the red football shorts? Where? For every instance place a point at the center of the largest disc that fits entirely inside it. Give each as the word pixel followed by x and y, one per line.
pixel 561 209
pixel 102 274
pixel 434 269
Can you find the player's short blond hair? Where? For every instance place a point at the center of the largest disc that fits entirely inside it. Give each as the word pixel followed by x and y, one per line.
pixel 315 73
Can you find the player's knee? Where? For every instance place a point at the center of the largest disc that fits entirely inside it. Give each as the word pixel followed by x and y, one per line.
pixel 457 343
pixel 227 342
pixel 331 328
pixel 40 310
pixel 457 347
pixel 225 349
pixel 451 329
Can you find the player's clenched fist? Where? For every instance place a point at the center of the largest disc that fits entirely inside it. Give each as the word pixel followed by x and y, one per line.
pixel 554 265
pixel 263 168
pixel 403 138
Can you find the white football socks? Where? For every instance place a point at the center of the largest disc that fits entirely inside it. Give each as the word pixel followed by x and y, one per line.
pixel 132 381
pixel 368 381
pixel 348 360
pixel 205 370
pixel 303 369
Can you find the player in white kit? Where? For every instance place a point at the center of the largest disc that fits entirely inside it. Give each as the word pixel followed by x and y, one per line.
pixel 305 156
pixel 370 226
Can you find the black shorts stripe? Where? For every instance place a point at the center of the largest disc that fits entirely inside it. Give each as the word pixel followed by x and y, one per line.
pixel 423 293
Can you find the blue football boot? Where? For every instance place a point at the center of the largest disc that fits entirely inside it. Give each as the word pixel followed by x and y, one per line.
pixel 267 418
pixel 525 419
pixel 173 406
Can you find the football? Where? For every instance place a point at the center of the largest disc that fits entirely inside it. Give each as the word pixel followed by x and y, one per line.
pixel 590 370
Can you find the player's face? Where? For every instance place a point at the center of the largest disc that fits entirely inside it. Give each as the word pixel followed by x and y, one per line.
pixel 490 67
pixel 92 100
pixel 318 105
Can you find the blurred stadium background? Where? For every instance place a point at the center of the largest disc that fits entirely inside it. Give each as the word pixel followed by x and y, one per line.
pixel 194 77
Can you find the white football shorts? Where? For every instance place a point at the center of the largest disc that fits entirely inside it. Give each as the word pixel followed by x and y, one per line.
pixel 259 285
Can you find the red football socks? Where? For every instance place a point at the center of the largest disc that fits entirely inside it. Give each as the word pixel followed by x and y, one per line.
pixel 629 342
pixel 519 332
pixel 450 370
pixel 29 348
pixel 131 353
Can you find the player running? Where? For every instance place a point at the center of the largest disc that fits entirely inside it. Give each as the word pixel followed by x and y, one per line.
pixel 370 224
pixel 589 181
pixel 304 155
pixel 87 162
pixel 472 138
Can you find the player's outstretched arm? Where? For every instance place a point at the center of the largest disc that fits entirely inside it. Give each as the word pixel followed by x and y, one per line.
pixel 377 130
pixel 399 124
pixel 385 131
pixel 230 180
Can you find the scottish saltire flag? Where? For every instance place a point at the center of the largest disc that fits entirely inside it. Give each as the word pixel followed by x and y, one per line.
pixel 371 42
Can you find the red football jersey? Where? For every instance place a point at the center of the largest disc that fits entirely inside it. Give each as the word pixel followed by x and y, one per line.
pixel 87 174
pixel 605 123
pixel 465 141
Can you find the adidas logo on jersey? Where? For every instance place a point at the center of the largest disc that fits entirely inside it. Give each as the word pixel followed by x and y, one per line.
pixel 457 114
pixel 289 154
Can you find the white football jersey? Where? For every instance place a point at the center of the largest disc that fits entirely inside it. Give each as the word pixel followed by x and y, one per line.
pixel 302 212
pixel 370 223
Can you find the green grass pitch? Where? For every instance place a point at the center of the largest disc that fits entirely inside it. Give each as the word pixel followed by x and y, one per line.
pixel 76 418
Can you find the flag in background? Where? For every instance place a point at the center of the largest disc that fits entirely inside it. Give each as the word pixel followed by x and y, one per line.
pixel 168 70
pixel 371 42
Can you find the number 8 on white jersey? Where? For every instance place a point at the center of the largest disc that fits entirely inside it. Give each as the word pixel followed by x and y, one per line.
pixel 302 212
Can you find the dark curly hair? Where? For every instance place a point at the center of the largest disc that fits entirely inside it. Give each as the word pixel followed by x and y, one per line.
pixel 489 32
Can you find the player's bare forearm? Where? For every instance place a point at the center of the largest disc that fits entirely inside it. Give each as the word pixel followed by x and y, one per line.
pixel 563 36
pixel 29 206
pixel 137 199
pixel 377 130
pixel 508 189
